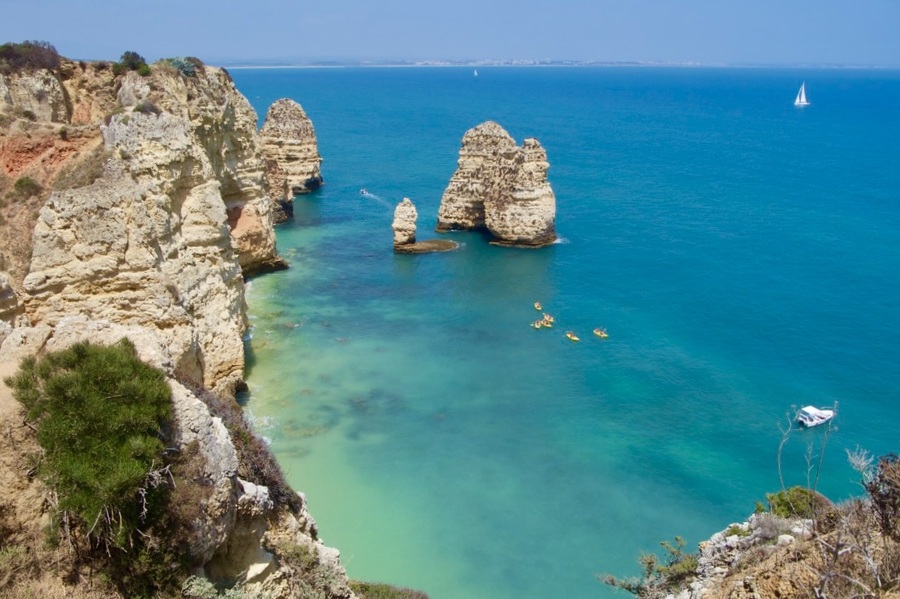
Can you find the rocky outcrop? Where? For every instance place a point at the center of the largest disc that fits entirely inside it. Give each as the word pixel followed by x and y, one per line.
pixel 154 245
pixel 501 187
pixel 288 143
pixel 404 226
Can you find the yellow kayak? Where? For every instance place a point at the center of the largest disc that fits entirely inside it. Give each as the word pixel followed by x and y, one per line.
pixel 572 336
pixel 601 333
pixel 537 324
pixel 548 318
pixel 537 306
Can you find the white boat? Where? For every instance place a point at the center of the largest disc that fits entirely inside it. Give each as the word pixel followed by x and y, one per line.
pixel 811 416
pixel 801 96
pixel 476 72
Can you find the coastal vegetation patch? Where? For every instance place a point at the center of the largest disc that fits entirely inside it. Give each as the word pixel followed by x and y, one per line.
pixel 28 56
pixel 256 462
pixel 131 61
pixel 189 66
pixel 102 419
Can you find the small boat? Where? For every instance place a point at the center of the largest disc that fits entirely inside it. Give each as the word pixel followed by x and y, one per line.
pixel 572 336
pixel 537 306
pixel 810 416
pixel 548 318
pixel 601 333
pixel 363 192
pixel 537 324
pixel 476 72
pixel 801 100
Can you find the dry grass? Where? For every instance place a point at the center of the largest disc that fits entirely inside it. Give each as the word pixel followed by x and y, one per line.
pixel 83 171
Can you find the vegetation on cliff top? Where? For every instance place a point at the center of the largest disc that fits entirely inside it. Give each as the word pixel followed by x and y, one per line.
pixel 28 55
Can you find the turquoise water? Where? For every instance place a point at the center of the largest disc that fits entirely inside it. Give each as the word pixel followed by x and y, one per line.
pixel 742 253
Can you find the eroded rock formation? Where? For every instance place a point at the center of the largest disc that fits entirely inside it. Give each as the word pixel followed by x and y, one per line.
pixel 293 164
pixel 501 187
pixel 404 226
pixel 136 209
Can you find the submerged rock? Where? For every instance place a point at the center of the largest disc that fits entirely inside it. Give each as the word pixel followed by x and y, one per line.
pixel 500 187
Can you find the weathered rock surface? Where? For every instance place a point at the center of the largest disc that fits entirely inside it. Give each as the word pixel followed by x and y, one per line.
pixel 404 226
pixel 152 246
pixel 288 143
pixel 501 187
pixel 405 216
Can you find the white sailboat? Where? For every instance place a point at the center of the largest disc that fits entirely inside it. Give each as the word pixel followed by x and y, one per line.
pixel 801 96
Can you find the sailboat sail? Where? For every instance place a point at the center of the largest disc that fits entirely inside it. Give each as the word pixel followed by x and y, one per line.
pixel 801 96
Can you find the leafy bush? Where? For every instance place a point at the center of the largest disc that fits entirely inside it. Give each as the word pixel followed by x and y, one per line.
pixel 29 55
pixel 131 61
pixel 25 187
pixel 797 502
pixel 100 415
pixel 374 590
pixel 660 578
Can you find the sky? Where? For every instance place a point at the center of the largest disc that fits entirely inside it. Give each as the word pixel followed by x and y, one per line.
pixel 840 32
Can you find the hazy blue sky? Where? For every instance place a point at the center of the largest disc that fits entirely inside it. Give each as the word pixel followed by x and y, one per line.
pixel 703 31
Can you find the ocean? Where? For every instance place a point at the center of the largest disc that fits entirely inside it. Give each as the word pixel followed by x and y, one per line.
pixel 743 255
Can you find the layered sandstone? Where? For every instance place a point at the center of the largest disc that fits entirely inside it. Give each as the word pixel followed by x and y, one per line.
pixel 500 187
pixel 143 212
pixel 293 163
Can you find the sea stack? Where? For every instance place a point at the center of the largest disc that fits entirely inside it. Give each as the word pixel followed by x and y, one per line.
pixel 404 225
pixel 289 146
pixel 500 187
pixel 405 216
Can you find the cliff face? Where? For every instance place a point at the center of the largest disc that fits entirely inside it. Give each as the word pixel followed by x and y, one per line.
pixel 288 142
pixel 501 187
pixel 134 206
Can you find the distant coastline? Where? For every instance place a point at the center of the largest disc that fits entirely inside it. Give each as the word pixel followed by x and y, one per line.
pixel 326 64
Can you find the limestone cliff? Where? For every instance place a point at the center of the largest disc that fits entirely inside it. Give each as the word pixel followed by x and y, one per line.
pixel 501 187
pixel 288 143
pixel 134 206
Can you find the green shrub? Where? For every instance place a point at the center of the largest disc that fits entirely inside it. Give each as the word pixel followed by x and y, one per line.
pixel 101 416
pixel 736 529
pixel 29 55
pixel 374 590
pixel 660 578
pixel 25 187
pixel 797 502
pixel 131 61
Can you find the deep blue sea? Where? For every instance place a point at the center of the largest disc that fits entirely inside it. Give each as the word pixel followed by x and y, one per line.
pixel 743 254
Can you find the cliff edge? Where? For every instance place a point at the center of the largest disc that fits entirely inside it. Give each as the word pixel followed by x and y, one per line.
pixel 133 206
